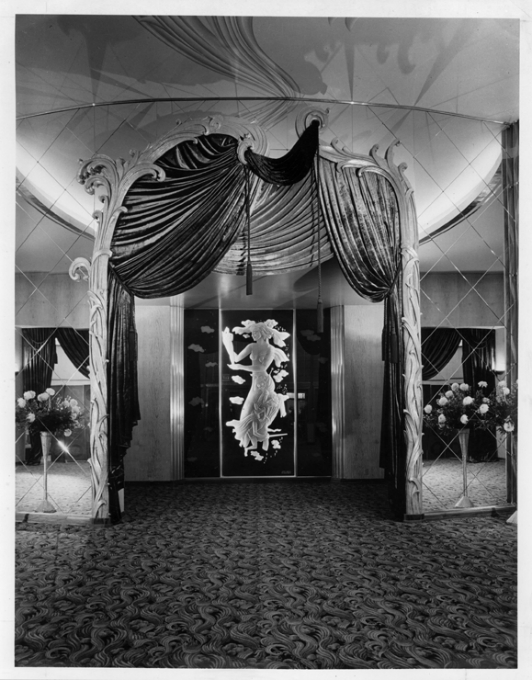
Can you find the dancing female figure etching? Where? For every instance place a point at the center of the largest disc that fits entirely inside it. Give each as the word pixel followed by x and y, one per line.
pixel 263 403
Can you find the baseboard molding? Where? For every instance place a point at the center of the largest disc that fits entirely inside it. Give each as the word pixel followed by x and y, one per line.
pixel 493 510
pixel 51 518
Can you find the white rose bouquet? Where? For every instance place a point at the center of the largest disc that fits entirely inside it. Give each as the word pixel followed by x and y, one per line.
pixel 499 409
pixel 41 413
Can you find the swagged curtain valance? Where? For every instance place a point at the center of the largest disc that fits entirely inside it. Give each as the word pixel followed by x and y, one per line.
pixel 178 230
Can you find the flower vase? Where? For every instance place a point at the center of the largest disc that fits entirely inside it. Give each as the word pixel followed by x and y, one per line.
pixel 46 443
pixel 463 440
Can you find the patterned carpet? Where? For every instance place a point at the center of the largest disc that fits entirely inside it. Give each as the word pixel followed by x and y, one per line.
pixel 263 575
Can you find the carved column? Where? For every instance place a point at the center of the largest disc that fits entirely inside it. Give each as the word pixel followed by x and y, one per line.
pixel 413 391
pixel 99 463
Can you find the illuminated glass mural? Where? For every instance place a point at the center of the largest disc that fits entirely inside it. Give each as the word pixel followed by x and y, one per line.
pixel 257 395
pixel 262 404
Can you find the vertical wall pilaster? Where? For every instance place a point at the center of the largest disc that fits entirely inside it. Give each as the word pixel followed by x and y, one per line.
pixel 338 390
pixel 510 175
pixel 177 389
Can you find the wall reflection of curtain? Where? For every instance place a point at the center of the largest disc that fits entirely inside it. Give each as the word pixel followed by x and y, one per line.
pixel 438 346
pixel 75 343
pixel 478 356
pixel 39 359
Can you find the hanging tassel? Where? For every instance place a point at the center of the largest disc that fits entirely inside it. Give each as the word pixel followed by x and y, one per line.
pixel 249 279
pixel 249 267
pixel 320 315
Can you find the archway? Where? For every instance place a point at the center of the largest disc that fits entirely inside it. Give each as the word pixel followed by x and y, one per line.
pixel 367 218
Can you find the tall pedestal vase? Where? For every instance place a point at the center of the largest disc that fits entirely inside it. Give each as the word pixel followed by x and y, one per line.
pixel 463 439
pixel 46 443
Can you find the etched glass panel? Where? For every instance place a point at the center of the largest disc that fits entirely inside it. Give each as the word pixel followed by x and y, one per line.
pixel 257 394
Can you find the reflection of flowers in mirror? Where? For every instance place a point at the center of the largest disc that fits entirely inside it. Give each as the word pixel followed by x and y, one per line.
pixel 41 413
pixel 455 411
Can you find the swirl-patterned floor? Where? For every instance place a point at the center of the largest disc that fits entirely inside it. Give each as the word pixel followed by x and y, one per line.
pixel 267 575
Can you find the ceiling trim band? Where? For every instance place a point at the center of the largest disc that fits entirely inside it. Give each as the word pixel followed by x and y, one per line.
pixel 302 100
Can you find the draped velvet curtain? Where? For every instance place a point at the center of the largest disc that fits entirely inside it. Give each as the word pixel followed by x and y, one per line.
pixel 362 218
pixel 176 231
pixel 438 346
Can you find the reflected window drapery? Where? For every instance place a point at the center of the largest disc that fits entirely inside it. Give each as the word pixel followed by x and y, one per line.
pixel 75 343
pixel 39 359
pixel 478 356
pixel 438 346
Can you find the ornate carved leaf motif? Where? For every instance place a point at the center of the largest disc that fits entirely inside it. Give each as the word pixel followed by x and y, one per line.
pixel 79 269
pixel 412 377
pixel 98 413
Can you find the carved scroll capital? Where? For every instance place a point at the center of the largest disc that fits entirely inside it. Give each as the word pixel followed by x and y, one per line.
pixel 79 269
pixel 388 164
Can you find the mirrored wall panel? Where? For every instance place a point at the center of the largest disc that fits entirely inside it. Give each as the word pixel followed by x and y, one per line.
pixel 314 435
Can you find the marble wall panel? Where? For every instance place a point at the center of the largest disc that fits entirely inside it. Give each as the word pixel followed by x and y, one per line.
pixel 149 458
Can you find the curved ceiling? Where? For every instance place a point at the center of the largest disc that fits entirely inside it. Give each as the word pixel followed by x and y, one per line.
pixel 108 84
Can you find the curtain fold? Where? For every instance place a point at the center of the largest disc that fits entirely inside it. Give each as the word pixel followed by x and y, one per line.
pixel 283 231
pixel 123 406
pixel 75 343
pixel 362 219
pixel 176 231
pixel 438 346
pixel 294 165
